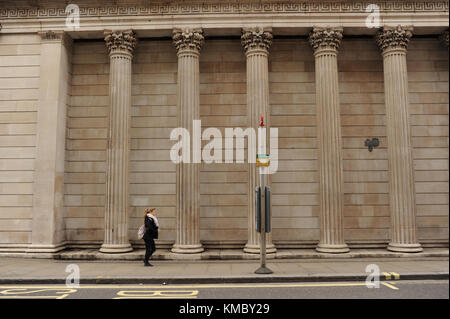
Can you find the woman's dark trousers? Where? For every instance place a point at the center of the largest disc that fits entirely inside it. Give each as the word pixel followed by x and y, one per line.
pixel 149 249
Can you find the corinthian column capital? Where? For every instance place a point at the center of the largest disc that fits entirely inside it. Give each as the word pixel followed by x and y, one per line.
pixel 444 38
pixel 328 38
pixel 120 42
pixel 257 38
pixel 188 39
pixel 393 38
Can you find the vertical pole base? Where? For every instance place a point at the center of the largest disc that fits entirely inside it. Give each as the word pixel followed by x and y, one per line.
pixel 263 271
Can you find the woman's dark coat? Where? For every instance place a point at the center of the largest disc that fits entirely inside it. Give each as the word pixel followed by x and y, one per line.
pixel 151 230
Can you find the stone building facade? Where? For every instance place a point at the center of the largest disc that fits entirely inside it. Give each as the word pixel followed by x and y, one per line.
pixel 86 114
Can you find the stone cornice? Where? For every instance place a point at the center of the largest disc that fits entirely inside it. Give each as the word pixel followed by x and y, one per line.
pixel 328 38
pixel 256 39
pixel 188 39
pixel 394 37
pixel 46 10
pixel 120 41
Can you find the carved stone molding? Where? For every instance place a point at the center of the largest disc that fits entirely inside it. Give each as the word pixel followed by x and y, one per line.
pixel 257 38
pixel 56 36
pixel 190 39
pixel 51 35
pixel 444 38
pixel 393 37
pixel 120 41
pixel 179 7
pixel 328 38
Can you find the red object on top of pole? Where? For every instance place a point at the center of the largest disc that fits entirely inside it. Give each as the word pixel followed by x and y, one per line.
pixel 261 124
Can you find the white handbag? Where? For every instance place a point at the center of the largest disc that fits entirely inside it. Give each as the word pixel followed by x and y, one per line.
pixel 141 231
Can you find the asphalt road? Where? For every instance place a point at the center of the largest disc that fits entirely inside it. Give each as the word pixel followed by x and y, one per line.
pixel 402 289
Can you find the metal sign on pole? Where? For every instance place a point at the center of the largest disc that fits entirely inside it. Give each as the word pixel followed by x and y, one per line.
pixel 262 198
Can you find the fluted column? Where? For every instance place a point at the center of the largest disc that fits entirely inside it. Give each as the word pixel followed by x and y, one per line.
pixel 325 44
pixel 188 43
pixel 256 43
pixel 393 42
pixel 120 45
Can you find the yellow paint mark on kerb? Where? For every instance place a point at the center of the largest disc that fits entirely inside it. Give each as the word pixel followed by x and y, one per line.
pixel 389 275
pixel 396 275
pixel 389 285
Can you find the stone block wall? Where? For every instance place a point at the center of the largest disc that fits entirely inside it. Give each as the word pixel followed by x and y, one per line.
pixel 19 94
pixel 223 221
pixel 295 186
pixel 223 187
pixel 154 115
pixel 428 94
pixel 366 189
pixel 87 131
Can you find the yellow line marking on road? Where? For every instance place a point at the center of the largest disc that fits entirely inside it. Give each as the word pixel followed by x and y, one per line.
pixel 34 297
pixel 178 286
pixel 155 298
pixel 387 275
pixel 16 292
pixel 106 286
pixel 389 285
pixel 431 282
pixel 157 294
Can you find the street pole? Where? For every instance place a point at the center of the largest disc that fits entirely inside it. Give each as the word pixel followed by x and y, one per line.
pixel 262 162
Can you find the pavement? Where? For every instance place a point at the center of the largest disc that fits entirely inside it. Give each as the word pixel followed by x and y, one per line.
pixel 15 270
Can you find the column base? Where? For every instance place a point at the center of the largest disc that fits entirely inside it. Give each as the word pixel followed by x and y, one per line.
pixel 405 248
pixel 256 249
pixel 36 248
pixel 187 249
pixel 332 249
pixel 115 249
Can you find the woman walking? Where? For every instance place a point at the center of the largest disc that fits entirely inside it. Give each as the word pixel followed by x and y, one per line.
pixel 151 233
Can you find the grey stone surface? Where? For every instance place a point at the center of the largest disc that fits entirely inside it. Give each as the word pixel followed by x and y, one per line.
pixel 31 270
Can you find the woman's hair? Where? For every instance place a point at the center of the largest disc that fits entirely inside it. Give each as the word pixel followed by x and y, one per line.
pixel 148 210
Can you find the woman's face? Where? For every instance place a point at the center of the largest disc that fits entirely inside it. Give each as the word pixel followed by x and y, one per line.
pixel 153 212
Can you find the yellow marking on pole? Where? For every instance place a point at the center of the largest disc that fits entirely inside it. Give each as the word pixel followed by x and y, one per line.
pixel 396 275
pixel 157 294
pixel 387 275
pixel 389 285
